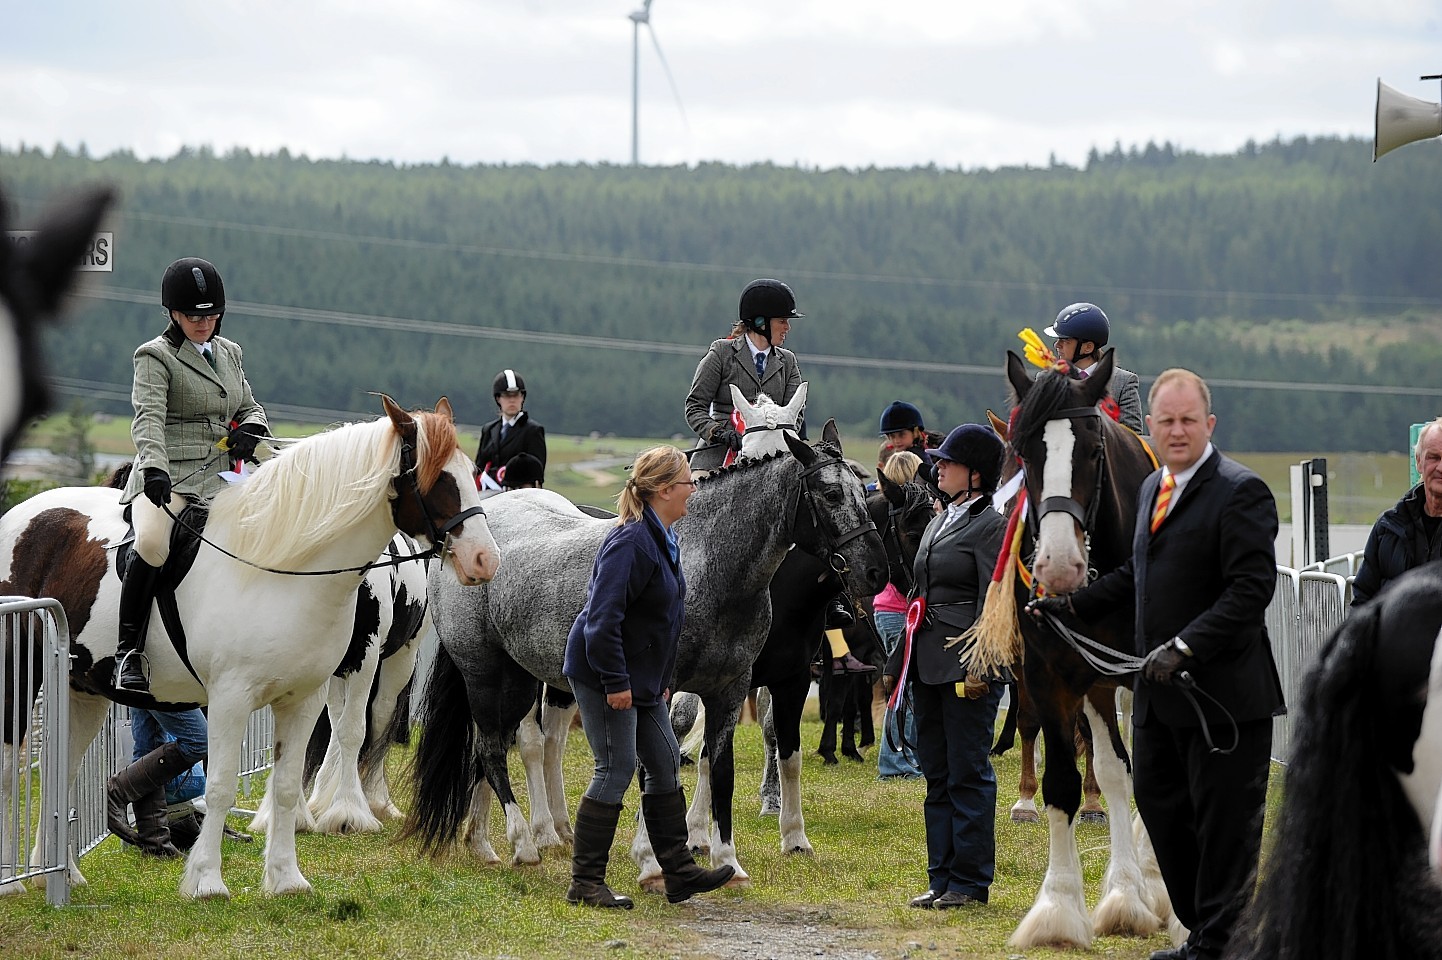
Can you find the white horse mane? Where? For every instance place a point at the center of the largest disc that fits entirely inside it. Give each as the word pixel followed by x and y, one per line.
pixel 767 421
pixel 314 487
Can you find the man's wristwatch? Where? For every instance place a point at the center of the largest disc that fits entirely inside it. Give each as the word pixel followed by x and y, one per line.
pixel 1180 645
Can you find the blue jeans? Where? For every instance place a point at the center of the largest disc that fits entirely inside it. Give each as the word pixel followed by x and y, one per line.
pixel 620 739
pixel 891 762
pixel 152 728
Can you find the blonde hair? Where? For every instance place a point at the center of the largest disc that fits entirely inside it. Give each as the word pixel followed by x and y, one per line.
pixel 1180 375
pixel 655 469
pixel 901 467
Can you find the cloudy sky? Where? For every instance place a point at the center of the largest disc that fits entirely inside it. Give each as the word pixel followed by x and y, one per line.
pixel 821 83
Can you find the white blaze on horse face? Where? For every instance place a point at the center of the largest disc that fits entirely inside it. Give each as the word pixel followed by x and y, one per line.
pixel 1060 563
pixel 474 554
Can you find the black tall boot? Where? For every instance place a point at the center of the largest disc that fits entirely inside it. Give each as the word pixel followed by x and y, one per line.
pixel 137 600
pixel 594 834
pixel 665 815
pixel 143 784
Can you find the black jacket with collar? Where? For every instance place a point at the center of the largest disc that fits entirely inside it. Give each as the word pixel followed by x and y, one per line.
pixel 1398 542
pixel 525 437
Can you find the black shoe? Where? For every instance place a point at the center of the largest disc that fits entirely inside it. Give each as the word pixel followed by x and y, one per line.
pixel 1176 953
pixel 839 614
pixel 924 901
pixel 130 673
pixel 952 899
pixel 849 664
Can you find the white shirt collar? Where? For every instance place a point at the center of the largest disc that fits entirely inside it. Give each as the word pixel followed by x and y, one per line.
pixel 754 352
pixel 1187 474
pixel 200 348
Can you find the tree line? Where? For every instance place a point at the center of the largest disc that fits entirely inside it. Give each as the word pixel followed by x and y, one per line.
pixel 602 284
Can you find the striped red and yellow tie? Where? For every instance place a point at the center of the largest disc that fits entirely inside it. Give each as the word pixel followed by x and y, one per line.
pixel 1164 500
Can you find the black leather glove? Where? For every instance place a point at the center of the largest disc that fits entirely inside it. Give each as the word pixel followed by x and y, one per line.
pixel 724 434
pixel 1162 664
pixel 241 441
pixel 1056 606
pixel 157 486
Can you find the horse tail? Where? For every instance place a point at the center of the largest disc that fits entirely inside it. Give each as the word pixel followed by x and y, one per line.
pixel 316 747
pixel 1006 739
pixel 1339 880
pixel 445 767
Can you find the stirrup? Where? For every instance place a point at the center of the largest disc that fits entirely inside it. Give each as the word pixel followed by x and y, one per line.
pixel 143 666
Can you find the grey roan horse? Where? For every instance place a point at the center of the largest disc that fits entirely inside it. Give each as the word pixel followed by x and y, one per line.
pixel 496 644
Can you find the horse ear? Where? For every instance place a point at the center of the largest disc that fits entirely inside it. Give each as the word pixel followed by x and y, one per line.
pixel 398 416
pixel 739 402
pixel 797 404
pixel 829 434
pixel 1016 373
pixel 998 425
pixel 47 263
pixel 1095 386
pixel 892 491
pixel 443 407
pixel 798 448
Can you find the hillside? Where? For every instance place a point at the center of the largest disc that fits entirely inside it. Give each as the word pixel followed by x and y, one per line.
pixel 1286 274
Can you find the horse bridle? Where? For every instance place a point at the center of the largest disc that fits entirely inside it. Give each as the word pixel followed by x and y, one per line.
pixel 836 561
pixel 1085 517
pixel 891 538
pixel 439 533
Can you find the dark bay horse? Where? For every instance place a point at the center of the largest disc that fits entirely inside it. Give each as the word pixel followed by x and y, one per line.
pixel 1347 872
pixel 34 277
pixel 497 643
pixel 1082 473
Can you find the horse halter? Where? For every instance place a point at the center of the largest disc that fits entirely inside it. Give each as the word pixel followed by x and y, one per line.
pixel 438 532
pixel 837 561
pixel 1085 517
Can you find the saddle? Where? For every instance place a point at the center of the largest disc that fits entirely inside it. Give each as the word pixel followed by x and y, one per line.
pixel 184 545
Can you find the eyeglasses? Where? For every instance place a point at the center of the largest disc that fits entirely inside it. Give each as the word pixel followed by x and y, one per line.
pixel 683 483
pixel 202 318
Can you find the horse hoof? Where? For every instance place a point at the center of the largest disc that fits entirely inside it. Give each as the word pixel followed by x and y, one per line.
pixel 804 851
pixel 656 884
pixel 1092 816
pixel 770 809
pixel 829 759
pixel 1025 816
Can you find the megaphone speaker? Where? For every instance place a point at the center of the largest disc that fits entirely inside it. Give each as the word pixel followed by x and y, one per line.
pixel 1402 120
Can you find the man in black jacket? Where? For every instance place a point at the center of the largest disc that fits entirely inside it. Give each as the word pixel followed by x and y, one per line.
pixel 1409 534
pixel 1202 571
pixel 511 433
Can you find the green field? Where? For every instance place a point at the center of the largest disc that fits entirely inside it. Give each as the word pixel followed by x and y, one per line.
pixel 589 469
pixel 377 897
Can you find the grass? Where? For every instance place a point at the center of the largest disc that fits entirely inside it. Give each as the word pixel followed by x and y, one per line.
pixel 375 896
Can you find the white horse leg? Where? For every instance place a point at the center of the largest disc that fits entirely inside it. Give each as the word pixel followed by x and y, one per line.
pixel 1122 909
pixel 327 778
pixel 226 719
pixel 294 721
pixel 14 769
pixel 556 724
pixel 698 815
pixel 478 824
pixel 1059 916
pixel 518 832
pixel 348 811
pixel 650 879
pixel 793 823
pixel 395 672
pixel 532 743
pixel 87 716
pixel 1154 889
pixel 264 816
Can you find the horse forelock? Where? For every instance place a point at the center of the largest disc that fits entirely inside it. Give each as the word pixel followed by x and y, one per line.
pixel 307 492
pixel 435 444
pixel 1049 393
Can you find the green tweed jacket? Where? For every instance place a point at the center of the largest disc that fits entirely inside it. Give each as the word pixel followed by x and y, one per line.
pixel 183 408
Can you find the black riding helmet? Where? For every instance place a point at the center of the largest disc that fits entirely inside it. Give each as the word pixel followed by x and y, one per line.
pixel 764 299
pixel 900 415
pixel 193 286
pixel 507 381
pixel 976 447
pixel 1081 322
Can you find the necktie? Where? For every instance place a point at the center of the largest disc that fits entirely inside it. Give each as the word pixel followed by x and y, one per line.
pixel 760 366
pixel 1164 500
pixel 209 357
pixel 505 430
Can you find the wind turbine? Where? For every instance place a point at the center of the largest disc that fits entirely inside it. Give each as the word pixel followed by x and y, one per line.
pixel 639 17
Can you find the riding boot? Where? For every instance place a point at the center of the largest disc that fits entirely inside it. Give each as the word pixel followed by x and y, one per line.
pixel 137 600
pixel 140 784
pixel 665 815
pixel 594 833
pixel 839 613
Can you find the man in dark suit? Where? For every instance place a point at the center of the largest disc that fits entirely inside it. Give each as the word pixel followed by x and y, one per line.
pixel 1202 572
pixel 511 433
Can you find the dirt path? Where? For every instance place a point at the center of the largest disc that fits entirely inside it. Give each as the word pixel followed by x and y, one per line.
pixel 800 934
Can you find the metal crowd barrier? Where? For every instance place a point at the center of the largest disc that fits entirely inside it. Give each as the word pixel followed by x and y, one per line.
pixel 1308 605
pixel 33 789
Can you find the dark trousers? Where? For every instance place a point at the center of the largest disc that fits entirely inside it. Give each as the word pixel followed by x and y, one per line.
pixel 1203 812
pixel 620 739
pixel 953 746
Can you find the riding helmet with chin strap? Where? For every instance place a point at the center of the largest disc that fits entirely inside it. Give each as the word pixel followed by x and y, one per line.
pixel 763 300
pixel 977 448
pixel 1079 322
pixel 507 381
pixel 193 286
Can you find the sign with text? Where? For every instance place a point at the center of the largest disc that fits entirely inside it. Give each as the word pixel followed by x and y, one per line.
pixel 98 255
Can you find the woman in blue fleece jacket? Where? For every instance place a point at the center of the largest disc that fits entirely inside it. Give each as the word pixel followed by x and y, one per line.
pixel 620 657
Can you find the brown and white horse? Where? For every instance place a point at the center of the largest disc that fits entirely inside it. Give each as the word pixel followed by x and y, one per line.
pixel 255 634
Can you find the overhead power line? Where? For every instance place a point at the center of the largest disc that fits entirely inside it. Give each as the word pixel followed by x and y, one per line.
pixel 589 342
